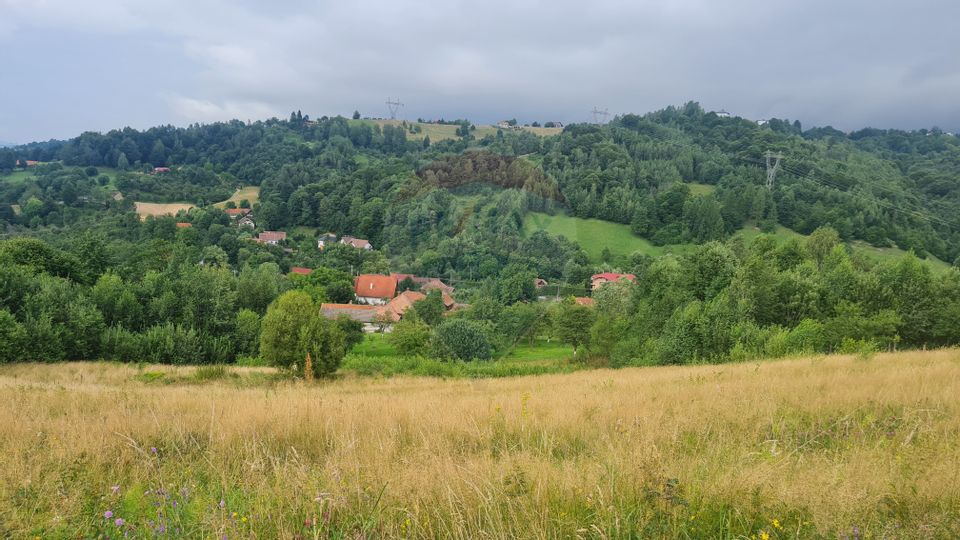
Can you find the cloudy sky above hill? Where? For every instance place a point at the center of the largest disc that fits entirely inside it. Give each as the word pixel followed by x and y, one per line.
pixel 71 66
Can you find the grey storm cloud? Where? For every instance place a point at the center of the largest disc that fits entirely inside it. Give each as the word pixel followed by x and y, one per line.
pixel 100 64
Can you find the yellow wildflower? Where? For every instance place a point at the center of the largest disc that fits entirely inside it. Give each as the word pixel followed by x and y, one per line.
pixel 764 535
pixel 776 524
pixel 244 519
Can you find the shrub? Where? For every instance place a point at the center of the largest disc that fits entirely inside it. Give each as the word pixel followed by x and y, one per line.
pixel 410 336
pixel 461 339
pixel 118 343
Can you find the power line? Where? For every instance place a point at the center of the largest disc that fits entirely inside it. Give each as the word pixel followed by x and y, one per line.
pixel 598 114
pixel 394 107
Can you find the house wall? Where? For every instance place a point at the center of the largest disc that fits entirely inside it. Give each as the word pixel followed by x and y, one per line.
pixel 371 300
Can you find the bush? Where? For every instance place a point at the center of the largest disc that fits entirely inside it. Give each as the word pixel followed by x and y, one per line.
pixel 410 336
pixel 171 344
pixel 461 339
pixel 118 343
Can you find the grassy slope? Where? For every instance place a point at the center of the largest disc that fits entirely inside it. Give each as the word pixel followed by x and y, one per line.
pixel 250 193
pixel 729 451
pixel 594 234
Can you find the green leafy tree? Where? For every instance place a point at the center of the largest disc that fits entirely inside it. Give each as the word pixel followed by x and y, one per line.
pixel 410 336
pixel 293 327
pixel 247 333
pixel 430 309
pixel 461 339
pixel 571 323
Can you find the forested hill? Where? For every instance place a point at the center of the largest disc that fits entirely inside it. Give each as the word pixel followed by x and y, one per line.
pixel 679 175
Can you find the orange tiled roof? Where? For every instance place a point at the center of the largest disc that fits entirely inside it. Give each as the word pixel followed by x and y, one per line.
pixel 375 286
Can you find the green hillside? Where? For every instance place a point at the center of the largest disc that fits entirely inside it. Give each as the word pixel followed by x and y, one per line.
pixel 594 235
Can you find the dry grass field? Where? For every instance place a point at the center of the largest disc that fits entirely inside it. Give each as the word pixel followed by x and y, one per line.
pixel 250 193
pixel 827 447
pixel 145 209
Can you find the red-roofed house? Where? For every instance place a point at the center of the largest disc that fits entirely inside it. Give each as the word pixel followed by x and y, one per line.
pixel 271 237
pixel 301 271
pixel 355 312
pixel 234 213
pixel 184 225
pixel 599 280
pixel 395 308
pixel 375 289
pixel 161 169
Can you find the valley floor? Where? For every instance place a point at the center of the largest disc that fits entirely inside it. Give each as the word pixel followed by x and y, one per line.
pixel 833 447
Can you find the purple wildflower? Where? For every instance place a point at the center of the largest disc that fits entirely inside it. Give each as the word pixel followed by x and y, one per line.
pixel 107 515
pixel 153 449
pixel 119 522
pixel 223 504
pixel 115 489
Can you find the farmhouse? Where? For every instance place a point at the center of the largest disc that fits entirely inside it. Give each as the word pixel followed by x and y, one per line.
pixel 354 312
pixel 374 289
pixel 395 308
pixel 271 237
pixel 235 213
pixel 247 221
pixel 599 280
pixel 425 284
pixel 358 243
pixel 325 240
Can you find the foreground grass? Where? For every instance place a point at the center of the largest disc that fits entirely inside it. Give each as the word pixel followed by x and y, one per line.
pixel 376 356
pixel 830 447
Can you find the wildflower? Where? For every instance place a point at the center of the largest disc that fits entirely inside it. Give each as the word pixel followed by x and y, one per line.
pixel 764 535
pixel 776 524
pixel 115 489
pixel 223 504
pixel 107 515
pixel 119 522
pixel 234 515
pixel 153 449
pixel 244 519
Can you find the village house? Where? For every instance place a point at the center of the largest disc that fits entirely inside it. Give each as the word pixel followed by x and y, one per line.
pixel 235 213
pixel 247 221
pixel 271 237
pixel 425 284
pixel 539 283
pixel 375 289
pixel 325 240
pixel 157 170
pixel 367 315
pixel 301 271
pixel 184 225
pixel 599 280
pixel 358 243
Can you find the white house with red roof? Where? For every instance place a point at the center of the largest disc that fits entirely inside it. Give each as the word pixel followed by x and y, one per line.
pixel 601 279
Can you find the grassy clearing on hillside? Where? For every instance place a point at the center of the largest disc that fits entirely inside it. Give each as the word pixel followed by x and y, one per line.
pixel 594 235
pixel 17 177
pixel 250 193
pixel 376 356
pixel 145 209
pixel 831 447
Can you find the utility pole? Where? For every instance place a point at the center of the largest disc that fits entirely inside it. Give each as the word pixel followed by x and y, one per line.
pixel 599 114
pixel 394 107
pixel 773 165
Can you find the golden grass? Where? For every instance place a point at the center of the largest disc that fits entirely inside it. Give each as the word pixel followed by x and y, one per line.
pixel 821 445
pixel 145 209
pixel 250 193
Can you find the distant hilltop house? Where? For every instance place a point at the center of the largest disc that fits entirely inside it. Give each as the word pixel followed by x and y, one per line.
pixel 158 170
pixel 27 163
pixel 184 225
pixel 599 280
pixel 325 240
pixel 722 113
pixel 505 124
pixel 301 271
pixel 271 237
pixel 358 243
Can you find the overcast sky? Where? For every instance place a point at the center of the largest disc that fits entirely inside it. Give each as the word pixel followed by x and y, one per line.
pixel 70 66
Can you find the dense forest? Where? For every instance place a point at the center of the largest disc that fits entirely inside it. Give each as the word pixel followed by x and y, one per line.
pixel 82 276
